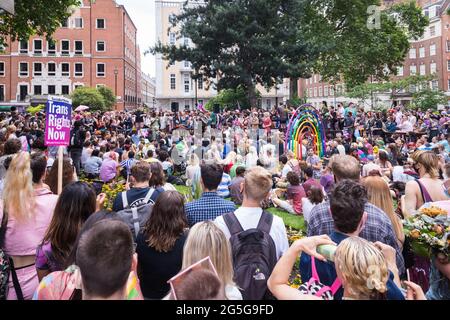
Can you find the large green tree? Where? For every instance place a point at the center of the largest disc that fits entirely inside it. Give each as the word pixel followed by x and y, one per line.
pixel 41 17
pixel 250 42
pixel 108 96
pixel 90 97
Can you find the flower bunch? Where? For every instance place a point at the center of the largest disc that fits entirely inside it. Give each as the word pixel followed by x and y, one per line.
pixel 429 231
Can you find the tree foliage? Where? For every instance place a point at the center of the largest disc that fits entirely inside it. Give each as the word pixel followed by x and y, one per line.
pixel 90 97
pixel 40 17
pixel 230 98
pixel 394 87
pixel 242 42
pixel 108 96
pixel 429 99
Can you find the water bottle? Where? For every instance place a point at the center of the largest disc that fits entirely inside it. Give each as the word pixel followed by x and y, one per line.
pixel 328 251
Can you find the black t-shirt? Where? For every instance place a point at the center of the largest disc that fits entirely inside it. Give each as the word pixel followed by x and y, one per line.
pixel 156 268
pixel 136 198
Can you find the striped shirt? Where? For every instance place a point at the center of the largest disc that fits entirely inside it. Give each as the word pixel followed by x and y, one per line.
pixel 223 189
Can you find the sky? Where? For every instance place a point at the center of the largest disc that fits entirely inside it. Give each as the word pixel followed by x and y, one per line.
pixel 142 13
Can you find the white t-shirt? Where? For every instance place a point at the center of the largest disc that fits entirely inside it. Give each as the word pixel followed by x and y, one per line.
pixel 249 219
pixel 286 169
pixel 341 149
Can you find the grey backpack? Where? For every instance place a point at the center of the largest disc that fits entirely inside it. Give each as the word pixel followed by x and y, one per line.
pixel 254 256
pixel 136 218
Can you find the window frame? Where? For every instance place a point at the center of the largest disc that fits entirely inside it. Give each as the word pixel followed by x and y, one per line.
pixel 75 50
pixel 96 23
pixel 173 84
pixel 97 72
pixel 65 73
pixel 34 46
pixel 104 46
pixel 3 73
pixel 75 74
pixel 53 73
pixel 34 69
pixel 20 69
pixel 63 52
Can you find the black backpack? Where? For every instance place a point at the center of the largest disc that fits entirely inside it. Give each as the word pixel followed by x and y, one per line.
pixel 254 256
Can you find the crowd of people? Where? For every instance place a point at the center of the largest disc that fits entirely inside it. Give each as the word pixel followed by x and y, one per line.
pixel 378 169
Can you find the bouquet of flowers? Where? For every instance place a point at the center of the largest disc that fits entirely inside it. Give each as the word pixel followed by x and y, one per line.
pixel 429 231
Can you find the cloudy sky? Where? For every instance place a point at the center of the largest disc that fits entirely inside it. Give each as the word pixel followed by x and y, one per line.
pixel 143 14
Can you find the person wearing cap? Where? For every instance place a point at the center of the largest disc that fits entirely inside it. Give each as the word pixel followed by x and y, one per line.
pixel 370 166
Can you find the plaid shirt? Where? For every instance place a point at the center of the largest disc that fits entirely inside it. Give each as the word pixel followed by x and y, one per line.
pixel 378 227
pixel 208 207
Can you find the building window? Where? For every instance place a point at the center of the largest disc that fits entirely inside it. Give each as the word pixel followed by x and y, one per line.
pixel 23 46
pixel 172 38
pixel 78 22
pixel 422 70
pixel 65 23
pixel 51 48
pixel 37 69
pixel 78 47
pixel 325 91
pixel 65 90
pixel 101 24
pixel 101 47
pixel 412 53
pixel 400 71
pixel 200 83
pixel 51 70
pixel 65 47
pixel 187 64
pixel 433 50
pixel 51 89
pixel 187 83
pixel 65 69
pixel 2 69
pixel 315 92
pixel 173 81
pixel 78 69
pixel 412 70
pixel 37 46
pixel 435 85
pixel 186 42
pixel 448 65
pixel 172 18
pixel 433 68
pixel 448 84
pixel 432 31
pixel 320 91
pixel 23 92
pixel 101 70
pixel 37 90
pixel 448 45
pixel 23 69
pixel 422 52
pixel 2 92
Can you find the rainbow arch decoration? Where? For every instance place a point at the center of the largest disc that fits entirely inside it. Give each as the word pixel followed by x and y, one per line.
pixel 307 124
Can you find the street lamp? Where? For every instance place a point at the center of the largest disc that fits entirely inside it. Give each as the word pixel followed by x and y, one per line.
pixel 116 72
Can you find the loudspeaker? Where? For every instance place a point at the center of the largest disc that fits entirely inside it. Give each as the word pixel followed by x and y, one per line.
pixel 217 108
pixel 175 106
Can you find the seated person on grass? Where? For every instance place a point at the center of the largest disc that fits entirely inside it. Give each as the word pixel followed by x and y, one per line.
pixel 295 193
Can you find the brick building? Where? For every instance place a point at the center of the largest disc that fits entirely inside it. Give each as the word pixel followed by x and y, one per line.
pixel 429 55
pixel 95 47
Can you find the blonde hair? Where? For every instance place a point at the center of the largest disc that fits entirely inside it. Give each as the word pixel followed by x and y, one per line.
pixel 18 192
pixel 206 239
pixel 194 160
pixel 363 268
pixel 429 160
pixel 257 183
pixel 380 196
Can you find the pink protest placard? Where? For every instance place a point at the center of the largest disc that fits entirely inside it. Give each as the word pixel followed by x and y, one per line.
pixel 58 121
